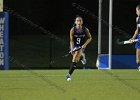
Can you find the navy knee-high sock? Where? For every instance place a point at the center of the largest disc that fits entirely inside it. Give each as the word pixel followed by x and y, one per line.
pixel 72 68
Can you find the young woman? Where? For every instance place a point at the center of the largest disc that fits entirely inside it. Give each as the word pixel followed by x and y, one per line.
pixel 137 35
pixel 79 37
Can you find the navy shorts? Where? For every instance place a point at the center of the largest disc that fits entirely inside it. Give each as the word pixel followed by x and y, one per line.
pixel 137 44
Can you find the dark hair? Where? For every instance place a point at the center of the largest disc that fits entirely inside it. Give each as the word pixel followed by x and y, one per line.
pixel 78 16
pixel 138 6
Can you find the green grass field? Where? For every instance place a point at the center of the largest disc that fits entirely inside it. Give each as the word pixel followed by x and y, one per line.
pixel 85 85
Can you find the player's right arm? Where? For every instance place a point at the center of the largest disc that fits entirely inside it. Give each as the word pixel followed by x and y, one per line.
pixel 71 38
pixel 136 31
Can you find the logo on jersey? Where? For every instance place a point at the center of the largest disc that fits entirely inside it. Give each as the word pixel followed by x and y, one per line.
pixel 83 35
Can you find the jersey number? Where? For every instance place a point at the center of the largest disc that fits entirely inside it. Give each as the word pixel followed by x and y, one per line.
pixel 78 40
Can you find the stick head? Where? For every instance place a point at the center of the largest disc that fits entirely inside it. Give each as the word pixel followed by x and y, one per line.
pixel 75 49
pixel 119 42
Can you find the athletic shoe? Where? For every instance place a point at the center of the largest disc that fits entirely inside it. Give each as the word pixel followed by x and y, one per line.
pixel 68 78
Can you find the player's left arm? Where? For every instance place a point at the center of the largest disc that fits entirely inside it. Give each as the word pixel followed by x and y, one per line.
pixel 89 38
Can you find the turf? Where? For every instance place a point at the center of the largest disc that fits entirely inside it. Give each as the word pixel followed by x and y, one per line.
pixel 85 85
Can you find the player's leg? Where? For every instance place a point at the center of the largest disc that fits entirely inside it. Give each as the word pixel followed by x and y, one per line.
pixel 138 58
pixel 83 57
pixel 76 58
pixel 137 46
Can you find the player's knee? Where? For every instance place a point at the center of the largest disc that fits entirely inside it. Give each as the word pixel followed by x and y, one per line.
pixel 76 56
pixel 75 60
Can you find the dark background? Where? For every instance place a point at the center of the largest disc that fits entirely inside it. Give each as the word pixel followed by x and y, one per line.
pixel 36 49
pixel 58 16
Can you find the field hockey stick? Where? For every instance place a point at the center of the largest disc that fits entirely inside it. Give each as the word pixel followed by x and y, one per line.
pixel 75 49
pixel 126 42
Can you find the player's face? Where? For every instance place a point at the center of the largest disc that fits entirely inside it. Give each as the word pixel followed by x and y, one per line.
pixel 138 11
pixel 78 21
